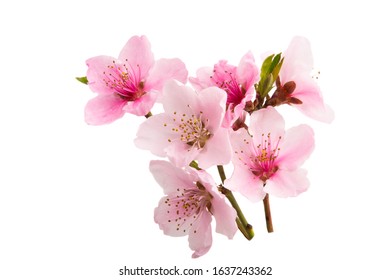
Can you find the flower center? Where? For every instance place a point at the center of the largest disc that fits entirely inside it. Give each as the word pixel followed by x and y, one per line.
pixel 124 80
pixel 186 206
pixel 227 82
pixel 192 129
pixel 263 162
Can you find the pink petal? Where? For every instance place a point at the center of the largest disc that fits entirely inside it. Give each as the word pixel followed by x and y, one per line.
pixel 224 72
pixel 104 109
pixel 313 104
pixel 247 71
pixel 165 218
pixel 163 70
pixel 225 216
pixel 138 55
pixel 173 219
pixel 238 110
pixel 154 134
pixel 286 183
pixel 200 238
pixel 238 140
pixel 266 121
pixel 202 79
pixel 296 147
pixel 231 115
pixel 246 183
pixel 98 71
pixel 298 58
pixel 180 99
pixel 297 66
pixel 142 105
pixel 169 177
pixel 180 153
pixel 212 104
pixel 206 179
pixel 217 150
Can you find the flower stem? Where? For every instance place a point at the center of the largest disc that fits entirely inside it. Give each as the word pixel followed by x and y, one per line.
pixel 242 224
pixel 267 211
pixel 221 172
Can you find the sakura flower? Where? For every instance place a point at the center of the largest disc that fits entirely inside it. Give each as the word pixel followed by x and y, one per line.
pixel 130 83
pixel 238 83
pixel 270 156
pixel 189 203
pixel 296 84
pixel 189 129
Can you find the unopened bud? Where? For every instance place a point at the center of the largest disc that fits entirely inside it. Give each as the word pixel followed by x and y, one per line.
pixel 289 87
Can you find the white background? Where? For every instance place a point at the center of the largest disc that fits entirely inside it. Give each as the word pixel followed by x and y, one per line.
pixel 77 201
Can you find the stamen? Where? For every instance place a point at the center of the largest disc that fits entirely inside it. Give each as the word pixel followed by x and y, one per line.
pixel 262 164
pixel 188 204
pixel 124 80
pixel 235 92
pixel 192 129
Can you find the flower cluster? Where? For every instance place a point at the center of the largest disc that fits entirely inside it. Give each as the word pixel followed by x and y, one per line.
pixel 225 114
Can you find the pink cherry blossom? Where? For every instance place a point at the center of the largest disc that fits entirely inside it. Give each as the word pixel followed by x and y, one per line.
pixel 297 67
pixel 131 83
pixel 190 201
pixel 238 83
pixel 268 155
pixel 189 129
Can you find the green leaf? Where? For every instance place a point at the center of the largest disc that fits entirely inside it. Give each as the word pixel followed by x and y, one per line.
pixel 266 66
pixel 269 74
pixel 83 80
pixel 268 83
pixel 274 63
pixel 276 70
